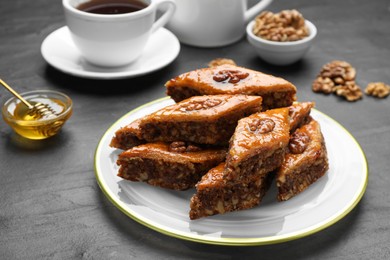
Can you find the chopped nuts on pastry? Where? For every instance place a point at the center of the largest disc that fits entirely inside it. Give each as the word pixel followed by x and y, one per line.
pixel 181 147
pixel 377 89
pixel 288 25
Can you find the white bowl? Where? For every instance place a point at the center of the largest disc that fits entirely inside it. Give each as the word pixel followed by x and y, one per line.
pixel 281 53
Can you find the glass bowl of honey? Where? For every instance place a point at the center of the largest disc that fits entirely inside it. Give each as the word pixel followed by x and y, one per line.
pixel 16 114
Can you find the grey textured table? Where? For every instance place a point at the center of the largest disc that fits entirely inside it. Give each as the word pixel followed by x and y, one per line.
pixel 51 206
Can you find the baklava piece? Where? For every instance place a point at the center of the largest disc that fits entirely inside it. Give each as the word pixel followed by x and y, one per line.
pixel 199 119
pixel 128 136
pixel 176 166
pixel 214 196
pixel 231 79
pixel 258 145
pixel 299 114
pixel 305 162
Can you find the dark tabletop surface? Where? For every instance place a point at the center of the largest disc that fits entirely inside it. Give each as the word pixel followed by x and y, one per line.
pixel 51 206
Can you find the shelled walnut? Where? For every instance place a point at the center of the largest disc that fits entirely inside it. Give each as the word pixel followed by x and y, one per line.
pixel 221 61
pixel 262 126
pixel 287 25
pixel 338 71
pixel 350 91
pixel 377 89
pixel 338 77
pixel 233 76
pixel 323 85
pixel 298 142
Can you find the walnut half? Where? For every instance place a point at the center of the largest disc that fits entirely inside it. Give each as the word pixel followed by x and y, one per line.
pixel 323 85
pixel 377 89
pixel 221 61
pixel 262 126
pixel 338 77
pixel 350 91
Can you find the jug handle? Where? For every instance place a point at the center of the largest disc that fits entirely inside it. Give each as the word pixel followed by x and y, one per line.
pixel 168 13
pixel 254 10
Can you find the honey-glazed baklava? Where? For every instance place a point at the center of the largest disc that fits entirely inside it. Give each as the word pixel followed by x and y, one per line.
pixel 128 136
pixel 177 166
pixel 258 145
pixel 305 162
pixel 231 79
pixel 299 114
pixel 199 119
pixel 215 196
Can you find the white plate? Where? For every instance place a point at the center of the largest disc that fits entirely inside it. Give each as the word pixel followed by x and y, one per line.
pixel 59 51
pixel 321 205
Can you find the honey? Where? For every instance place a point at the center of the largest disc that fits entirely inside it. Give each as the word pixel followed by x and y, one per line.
pixel 17 115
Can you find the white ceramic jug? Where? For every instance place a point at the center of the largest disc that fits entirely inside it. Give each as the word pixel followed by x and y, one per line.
pixel 212 23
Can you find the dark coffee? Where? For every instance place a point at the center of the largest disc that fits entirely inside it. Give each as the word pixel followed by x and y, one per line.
pixel 112 6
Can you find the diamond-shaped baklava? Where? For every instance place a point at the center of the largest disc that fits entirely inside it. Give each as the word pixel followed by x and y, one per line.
pixel 305 162
pixel 176 166
pixel 258 145
pixel 215 196
pixel 231 79
pixel 200 119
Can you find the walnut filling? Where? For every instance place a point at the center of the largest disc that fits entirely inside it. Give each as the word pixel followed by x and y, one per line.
pixel 164 174
pixel 255 166
pixel 184 93
pixel 270 100
pixel 277 99
pixel 216 133
pixel 125 140
pixel 299 180
pixel 227 198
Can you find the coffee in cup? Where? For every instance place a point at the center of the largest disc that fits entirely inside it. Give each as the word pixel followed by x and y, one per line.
pixel 112 6
pixel 114 33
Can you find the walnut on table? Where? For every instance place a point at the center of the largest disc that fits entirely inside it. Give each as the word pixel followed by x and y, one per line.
pixel 377 89
pixel 221 61
pixel 338 77
pixel 338 71
pixel 323 85
pixel 288 25
pixel 350 91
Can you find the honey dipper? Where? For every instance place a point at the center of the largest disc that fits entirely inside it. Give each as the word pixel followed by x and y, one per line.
pixel 37 110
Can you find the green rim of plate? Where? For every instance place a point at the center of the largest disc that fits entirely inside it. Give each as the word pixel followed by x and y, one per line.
pixel 227 241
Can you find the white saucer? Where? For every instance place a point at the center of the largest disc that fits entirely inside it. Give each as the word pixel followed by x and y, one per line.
pixel 60 52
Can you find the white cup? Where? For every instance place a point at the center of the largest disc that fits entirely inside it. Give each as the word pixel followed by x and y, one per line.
pixel 112 40
pixel 212 23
